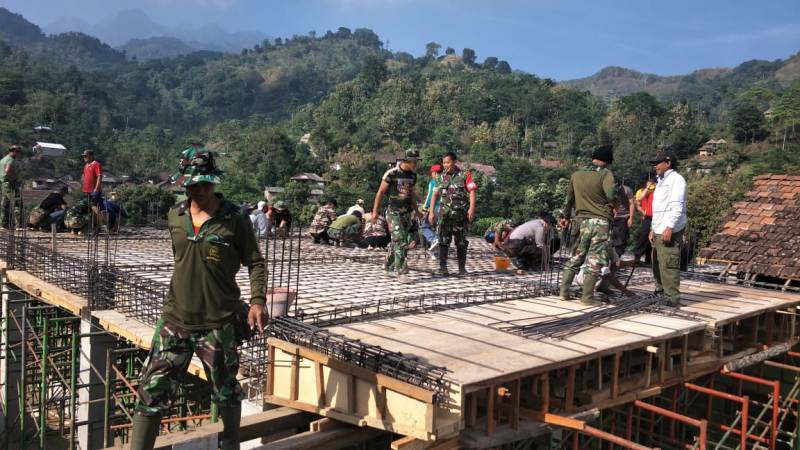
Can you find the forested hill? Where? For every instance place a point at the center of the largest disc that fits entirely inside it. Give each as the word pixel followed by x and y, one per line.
pixel 701 86
pixel 330 103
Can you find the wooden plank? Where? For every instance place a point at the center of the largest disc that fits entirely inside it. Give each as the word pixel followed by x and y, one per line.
pixel 546 392
pixel 252 427
pixel 685 355
pixel 380 402
pixel 515 398
pixel 331 439
pixel 270 370
pixel 47 292
pixel 325 424
pixel 409 390
pixel 294 381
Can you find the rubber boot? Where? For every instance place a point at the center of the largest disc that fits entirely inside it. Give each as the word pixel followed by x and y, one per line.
pixel 231 418
pixel 461 252
pixel 443 250
pixel 566 282
pixel 589 281
pixel 145 430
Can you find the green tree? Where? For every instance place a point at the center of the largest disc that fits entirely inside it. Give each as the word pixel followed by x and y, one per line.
pixel 468 56
pixel 432 49
pixel 747 122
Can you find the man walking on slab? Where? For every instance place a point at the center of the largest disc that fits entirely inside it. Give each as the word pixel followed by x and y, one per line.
pixel 398 186
pixel 456 189
pixel 591 192
pixel 669 221
pixel 203 313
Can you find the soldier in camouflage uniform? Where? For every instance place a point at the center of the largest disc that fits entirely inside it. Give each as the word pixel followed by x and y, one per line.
pixel 398 186
pixel 323 219
pixel 498 232
pixel 203 313
pixel 10 199
pixel 456 189
pixel 591 192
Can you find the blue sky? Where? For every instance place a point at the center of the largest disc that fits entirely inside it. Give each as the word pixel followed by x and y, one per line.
pixel 556 39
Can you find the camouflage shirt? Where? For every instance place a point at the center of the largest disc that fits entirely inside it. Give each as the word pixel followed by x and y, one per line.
pixel 454 189
pixel 376 229
pixel 325 215
pixel 401 188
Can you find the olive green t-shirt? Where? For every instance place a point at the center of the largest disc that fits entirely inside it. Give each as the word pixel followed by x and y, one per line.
pixel 591 192
pixel 5 162
pixel 203 293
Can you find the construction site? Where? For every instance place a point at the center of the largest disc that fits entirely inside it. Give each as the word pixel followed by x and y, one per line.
pixel 491 360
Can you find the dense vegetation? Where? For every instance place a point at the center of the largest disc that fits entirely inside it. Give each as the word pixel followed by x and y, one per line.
pixel 356 100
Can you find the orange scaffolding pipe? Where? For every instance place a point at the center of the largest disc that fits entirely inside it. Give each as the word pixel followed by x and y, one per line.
pixel 743 400
pixel 776 392
pixel 702 425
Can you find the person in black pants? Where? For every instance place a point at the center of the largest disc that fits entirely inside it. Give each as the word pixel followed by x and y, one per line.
pixel 644 203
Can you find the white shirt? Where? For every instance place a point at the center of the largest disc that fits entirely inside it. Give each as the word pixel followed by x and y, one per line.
pixel 260 223
pixel 669 203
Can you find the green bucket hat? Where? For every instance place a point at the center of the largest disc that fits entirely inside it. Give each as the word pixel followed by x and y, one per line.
pixel 196 165
pixel 279 205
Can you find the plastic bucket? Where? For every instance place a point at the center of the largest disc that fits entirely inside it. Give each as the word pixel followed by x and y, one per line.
pixel 279 301
pixel 501 263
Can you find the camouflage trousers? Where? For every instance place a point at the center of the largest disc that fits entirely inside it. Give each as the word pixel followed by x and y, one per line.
pixel 169 358
pixel 350 233
pixel 10 205
pixel 453 226
pixel 400 222
pixel 592 247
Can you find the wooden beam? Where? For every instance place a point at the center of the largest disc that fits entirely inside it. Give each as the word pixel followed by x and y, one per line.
pixel 270 370
pixel 326 424
pixel 546 392
pixel 380 401
pixel 252 427
pixel 331 439
pixel 515 398
pixel 410 443
pixel 685 355
pixel 294 377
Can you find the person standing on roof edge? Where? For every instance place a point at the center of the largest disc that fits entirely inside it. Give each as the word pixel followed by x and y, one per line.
pixel 10 198
pixel 591 192
pixel 397 185
pixel 427 224
pixel 456 189
pixel 669 222
pixel 203 313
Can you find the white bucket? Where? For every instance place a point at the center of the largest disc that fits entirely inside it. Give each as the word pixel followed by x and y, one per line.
pixel 279 301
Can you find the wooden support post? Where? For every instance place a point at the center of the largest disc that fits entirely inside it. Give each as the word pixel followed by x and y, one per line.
pixel 320 379
pixel 755 330
pixel 294 380
pixel 569 398
pixel 615 376
pixel 648 368
pixel 351 394
pixel 600 373
pixel 515 394
pixel 546 392
pixel 270 370
pixel 380 401
pixel 769 328
pixel 662 367
pixel 685 355
pixel 473 410
pixel 490 410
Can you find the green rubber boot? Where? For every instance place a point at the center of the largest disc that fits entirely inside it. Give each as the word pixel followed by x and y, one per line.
pixel 462 260
pixel 145 430
pixel 231 418
pixel 566 282
pixel 589 282
pixel 443 250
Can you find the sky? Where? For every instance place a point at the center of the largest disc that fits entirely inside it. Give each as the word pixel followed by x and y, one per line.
pixel 558 39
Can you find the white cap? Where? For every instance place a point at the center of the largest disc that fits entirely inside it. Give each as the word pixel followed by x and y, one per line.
pixel 262 204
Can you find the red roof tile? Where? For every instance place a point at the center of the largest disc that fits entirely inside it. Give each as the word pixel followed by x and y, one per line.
pixel 762 232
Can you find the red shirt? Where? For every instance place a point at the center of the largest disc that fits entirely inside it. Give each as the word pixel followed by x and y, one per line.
pixel 91 171
pixel 647 204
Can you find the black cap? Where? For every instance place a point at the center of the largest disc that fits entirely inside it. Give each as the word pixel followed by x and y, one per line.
pixel 664 155
pixel 332 201
pixel 88 151
pixel 604 153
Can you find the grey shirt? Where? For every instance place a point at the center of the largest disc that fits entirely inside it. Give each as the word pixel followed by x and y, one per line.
pixel 531 229
pixel 624 195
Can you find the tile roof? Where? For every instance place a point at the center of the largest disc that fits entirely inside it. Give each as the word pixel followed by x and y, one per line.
pixel 762 232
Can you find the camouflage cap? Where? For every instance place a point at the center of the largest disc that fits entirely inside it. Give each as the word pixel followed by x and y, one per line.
pixel 412 154
pixel 196 165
